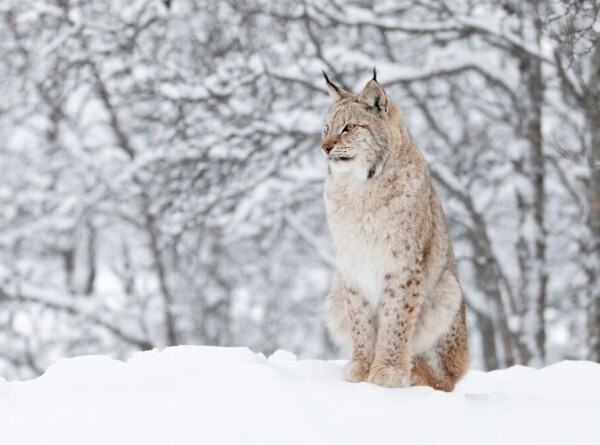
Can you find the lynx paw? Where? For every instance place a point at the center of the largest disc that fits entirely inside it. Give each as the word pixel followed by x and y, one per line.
pixel 388 376
pixel 356 371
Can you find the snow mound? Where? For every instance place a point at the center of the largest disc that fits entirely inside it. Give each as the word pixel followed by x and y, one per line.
pixel 210 395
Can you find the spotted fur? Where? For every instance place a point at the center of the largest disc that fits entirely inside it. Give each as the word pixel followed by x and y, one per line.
pixel 395 300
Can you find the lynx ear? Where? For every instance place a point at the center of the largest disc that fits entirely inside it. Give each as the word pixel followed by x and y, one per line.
pixel 334 91
pixel 373 95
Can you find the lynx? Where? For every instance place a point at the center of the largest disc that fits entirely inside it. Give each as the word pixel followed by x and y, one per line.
pixel 395 300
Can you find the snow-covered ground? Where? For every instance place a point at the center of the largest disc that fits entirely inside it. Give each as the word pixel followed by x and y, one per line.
pixel 209 395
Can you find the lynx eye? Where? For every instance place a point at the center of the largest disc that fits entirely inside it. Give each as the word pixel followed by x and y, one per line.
pixel 325 130
pixel 349 127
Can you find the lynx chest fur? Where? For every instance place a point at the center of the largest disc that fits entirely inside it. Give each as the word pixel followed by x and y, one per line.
pixel 371 226
pixel 395 301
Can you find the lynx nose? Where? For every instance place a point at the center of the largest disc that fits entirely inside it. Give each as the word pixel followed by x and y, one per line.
pixel 327 146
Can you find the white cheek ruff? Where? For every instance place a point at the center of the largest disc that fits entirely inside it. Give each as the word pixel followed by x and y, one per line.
pixel 350 170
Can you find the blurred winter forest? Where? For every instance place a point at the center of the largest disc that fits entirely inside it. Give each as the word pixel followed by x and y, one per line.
pixel 161 172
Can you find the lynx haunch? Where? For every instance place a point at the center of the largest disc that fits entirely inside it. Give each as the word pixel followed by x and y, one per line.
pixel 395 300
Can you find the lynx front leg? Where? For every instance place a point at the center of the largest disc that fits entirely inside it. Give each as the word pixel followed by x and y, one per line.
pixel 397 310
pixel 362 325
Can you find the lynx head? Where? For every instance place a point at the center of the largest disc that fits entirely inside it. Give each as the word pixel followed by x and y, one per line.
pixel 361 131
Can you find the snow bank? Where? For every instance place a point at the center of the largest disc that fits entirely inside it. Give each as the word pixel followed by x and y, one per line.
pixel 208 395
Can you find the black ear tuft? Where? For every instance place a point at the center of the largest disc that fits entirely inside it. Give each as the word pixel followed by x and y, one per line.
pixel 329 82
pixel 336 92
pixel 374 73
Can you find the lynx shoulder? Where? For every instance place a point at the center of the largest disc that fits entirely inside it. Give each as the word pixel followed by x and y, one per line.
pixel 395 301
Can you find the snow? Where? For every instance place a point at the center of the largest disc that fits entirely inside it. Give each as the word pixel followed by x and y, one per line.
pixel 212 395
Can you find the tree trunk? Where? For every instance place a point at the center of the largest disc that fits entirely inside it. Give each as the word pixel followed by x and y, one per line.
pixel 593 118
pixel 488 338
pixel 531 202
pixel 88 288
